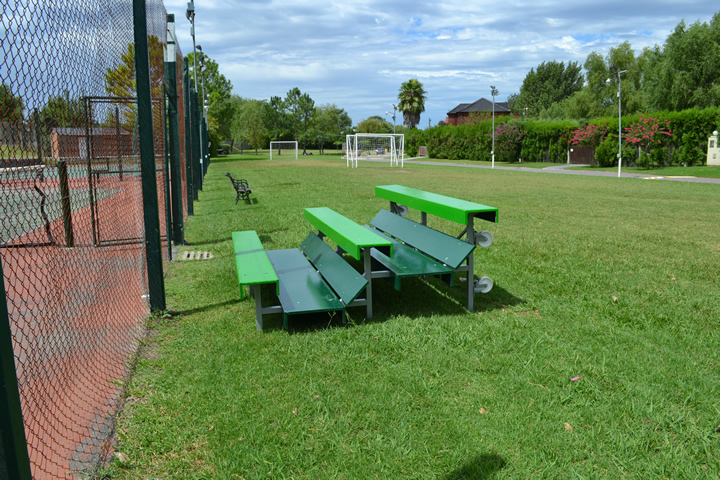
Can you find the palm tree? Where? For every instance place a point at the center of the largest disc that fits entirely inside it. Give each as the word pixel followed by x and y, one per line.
pixel 412 101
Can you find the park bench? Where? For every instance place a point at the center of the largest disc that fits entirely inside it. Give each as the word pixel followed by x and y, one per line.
pixel 242 189
pixel 452 252
pixel 311 279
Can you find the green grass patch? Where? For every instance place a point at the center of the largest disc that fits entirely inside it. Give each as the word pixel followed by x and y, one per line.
pixel 611 282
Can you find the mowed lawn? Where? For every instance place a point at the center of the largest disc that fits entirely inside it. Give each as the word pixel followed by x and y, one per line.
pixel 596 355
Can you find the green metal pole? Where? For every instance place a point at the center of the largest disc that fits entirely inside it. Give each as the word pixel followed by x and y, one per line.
pixel 14 459
pixel 195 142
pixel 188 139
pixel 174 137
pixel 153 246
pixel 65 199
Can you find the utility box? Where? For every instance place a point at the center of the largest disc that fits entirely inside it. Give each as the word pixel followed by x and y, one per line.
pixel 713 156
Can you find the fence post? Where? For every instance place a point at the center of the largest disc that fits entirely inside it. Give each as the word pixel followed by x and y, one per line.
pixel 153 246
pixel 14 459
pixel 65 200
pixel 174 136
pixel 196 147
pixel 190 183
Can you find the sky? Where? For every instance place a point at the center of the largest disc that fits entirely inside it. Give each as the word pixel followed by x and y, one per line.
pixel 356 53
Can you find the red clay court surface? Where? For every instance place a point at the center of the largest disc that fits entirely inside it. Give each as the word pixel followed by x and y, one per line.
pixel 76 316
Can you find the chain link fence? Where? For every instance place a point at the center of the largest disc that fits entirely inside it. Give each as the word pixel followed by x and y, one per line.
pixel 72 235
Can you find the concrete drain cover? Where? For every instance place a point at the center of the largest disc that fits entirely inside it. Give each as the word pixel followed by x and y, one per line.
pixel 196 256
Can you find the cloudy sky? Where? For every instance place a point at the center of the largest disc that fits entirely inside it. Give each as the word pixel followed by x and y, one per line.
pixel 356 53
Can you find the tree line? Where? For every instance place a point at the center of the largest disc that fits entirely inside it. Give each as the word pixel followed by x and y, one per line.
pixel 681 74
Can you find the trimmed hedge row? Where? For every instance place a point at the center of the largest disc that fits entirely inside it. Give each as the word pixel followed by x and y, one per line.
pixel 548 141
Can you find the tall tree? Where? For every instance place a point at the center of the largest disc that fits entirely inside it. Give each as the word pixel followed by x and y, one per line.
pixel 216 90
pixel 330 123
pixel 277 121
pixel 250 125
pixel 300 108
pixel 11 106
pixel 686 73
pixel 120 81
pixel 412 101
pixel 551 83
pixel 63 111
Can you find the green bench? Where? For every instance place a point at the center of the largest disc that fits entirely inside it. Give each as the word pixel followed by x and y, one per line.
pixel 353 239
pixel 459 258
pixel 311 279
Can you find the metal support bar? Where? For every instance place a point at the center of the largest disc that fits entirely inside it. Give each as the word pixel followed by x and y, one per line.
pixel 153 246
pixel 188 140
pixel 470 238
pixel 178 226
pixel 13 444
pixel 65 200
pixel 368 274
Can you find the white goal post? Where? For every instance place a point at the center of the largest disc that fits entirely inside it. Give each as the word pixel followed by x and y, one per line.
pixel 283 145
pixel 375 146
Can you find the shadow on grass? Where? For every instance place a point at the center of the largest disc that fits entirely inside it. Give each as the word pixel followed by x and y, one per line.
pixel 207 308
pixel 479 468
pixel 416 299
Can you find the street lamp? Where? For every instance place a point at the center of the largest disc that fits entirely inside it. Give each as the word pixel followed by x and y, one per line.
pixel 614 69
pixel 394 110
pixel 493 92
pixel 190 15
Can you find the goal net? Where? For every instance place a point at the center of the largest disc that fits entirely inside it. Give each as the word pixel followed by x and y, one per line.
pixel 375 146
pixel 282 149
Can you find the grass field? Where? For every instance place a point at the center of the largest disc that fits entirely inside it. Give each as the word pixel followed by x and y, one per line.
pixel 596 355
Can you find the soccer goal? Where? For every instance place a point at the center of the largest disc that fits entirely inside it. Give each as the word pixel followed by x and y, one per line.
pixel 284 149
pixel 375 146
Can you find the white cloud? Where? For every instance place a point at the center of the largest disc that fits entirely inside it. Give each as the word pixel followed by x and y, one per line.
pixel 355 54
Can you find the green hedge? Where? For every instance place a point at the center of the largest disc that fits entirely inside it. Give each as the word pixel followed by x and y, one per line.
pixel 548 141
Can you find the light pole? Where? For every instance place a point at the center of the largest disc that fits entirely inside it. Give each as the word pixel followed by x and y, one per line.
pixel 394 110
pixel 190 15
pixel 429 120
pixel 614 69
pixel 493 92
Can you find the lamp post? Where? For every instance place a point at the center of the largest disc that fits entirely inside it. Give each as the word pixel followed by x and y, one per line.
pixel 614 69
pixel 493 92
pixel 429 121
pixel 190 15
pixel 394 110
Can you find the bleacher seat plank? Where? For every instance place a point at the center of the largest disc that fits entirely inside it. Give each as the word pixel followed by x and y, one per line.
pixel 445 248
pixel 342 277
pixel 251 260
pixel 408 262
pixel 302 289
pixel 453 209
pixel 348 235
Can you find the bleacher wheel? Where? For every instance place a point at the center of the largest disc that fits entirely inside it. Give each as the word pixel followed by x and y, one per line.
pixel 483 284
pixel 483 238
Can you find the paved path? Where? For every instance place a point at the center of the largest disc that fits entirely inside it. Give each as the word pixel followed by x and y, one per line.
pixel 564 169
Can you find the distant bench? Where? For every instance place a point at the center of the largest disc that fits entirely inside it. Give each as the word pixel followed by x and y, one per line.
pixel 442 247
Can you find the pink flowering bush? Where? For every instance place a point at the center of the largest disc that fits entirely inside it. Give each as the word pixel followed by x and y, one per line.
pixel 647 133
pixel 508 140
pixel 590 135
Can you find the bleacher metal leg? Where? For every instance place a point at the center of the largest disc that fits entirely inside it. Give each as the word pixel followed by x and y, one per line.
pixel 470 238
pixel 258 306
pixel 367 260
